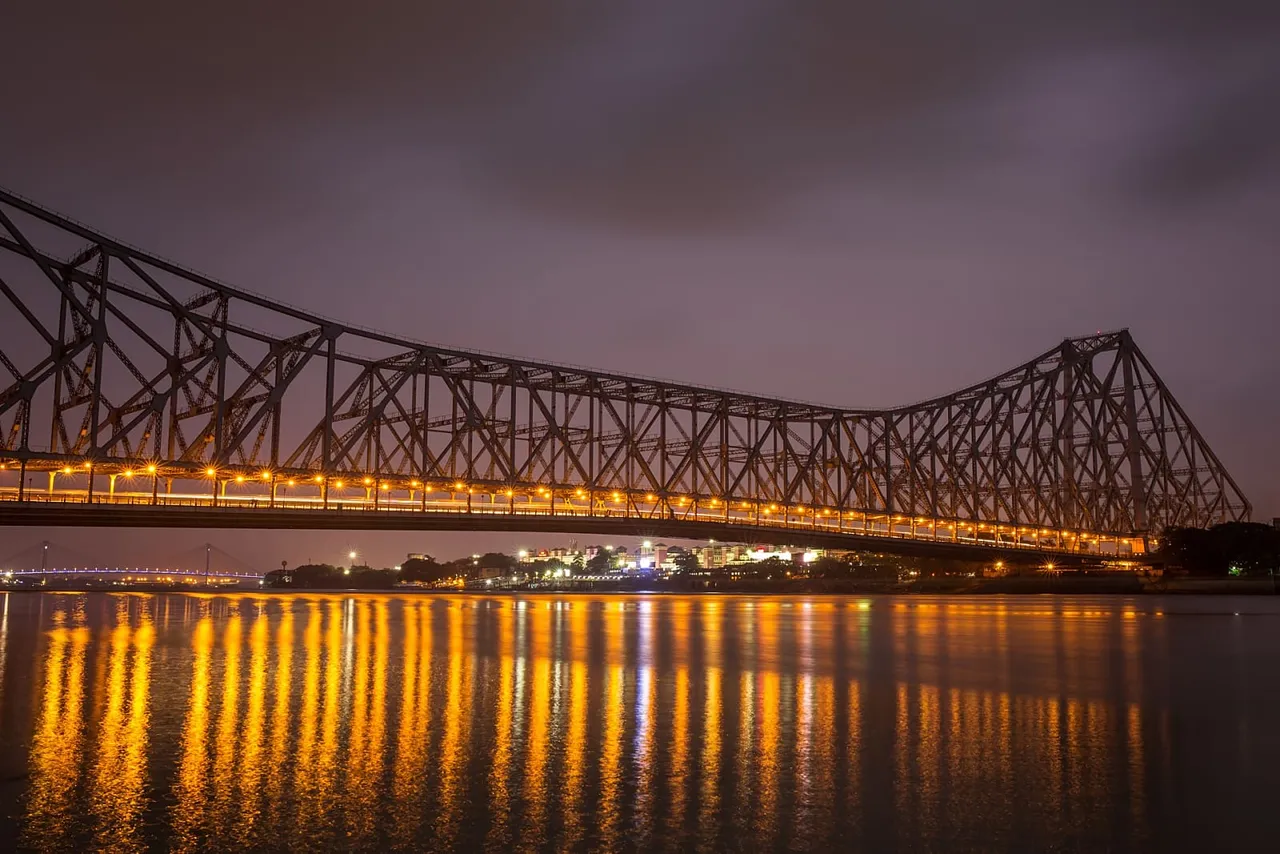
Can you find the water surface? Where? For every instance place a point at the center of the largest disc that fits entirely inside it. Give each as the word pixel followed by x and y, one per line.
pixel 232 722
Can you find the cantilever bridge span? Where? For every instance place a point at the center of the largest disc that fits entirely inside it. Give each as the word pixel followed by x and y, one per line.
pixel 134 391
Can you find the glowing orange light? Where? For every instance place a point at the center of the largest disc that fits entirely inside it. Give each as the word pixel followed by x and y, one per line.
pixel 210 472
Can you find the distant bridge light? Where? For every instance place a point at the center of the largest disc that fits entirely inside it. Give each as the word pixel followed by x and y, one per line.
pixel 266 475
pixel 128 472
pixel 210 472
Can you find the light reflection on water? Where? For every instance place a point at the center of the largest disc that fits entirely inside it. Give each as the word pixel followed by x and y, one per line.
pixel 457 722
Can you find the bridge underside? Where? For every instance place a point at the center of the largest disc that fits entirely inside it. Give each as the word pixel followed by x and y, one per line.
pixel 125 516
pixel 115 363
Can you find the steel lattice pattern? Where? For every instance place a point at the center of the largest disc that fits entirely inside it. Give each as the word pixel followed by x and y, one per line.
pixel 115 357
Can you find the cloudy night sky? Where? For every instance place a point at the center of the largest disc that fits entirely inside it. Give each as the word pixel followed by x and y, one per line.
pixel 852 203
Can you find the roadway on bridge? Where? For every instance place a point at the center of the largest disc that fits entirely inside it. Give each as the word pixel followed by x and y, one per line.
pixel 453 512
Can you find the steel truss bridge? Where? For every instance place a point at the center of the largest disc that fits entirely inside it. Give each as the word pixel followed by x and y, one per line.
pixel 136 392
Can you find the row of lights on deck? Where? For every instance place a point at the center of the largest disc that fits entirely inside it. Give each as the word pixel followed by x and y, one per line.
pixel 683 501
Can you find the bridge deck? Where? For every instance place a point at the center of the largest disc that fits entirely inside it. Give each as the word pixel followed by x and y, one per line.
pixel 870 532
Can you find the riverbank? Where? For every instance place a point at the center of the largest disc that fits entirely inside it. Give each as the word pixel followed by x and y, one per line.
pixel 1066 585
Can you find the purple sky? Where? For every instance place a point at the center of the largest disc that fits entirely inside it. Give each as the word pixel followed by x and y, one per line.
pixel 825 201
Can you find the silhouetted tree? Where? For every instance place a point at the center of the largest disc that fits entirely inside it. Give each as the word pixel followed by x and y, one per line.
pixel 495 560
pixel 601 562
pixel 771 568
pixel 1235 548
pixel 686 563
pixel 423 569
pixel 830 567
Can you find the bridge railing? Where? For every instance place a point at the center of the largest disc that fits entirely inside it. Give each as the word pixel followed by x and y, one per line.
pixel 855 525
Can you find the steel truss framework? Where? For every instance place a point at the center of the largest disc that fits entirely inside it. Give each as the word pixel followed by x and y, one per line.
pixel 113 357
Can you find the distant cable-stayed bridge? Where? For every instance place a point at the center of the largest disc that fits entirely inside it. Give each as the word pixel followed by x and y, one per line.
pixel 52 560
pixel 136 392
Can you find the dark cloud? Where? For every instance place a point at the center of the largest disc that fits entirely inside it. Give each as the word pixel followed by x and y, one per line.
pixel 660 115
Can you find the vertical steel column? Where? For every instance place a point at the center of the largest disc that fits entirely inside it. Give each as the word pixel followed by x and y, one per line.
pixel 1133 447
pixel 326 438
pixel 99 351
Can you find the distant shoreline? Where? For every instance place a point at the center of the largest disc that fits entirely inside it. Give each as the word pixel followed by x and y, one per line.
pixel 1066 586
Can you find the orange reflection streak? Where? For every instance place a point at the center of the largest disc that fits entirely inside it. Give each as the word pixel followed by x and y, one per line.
pixel 103 802
pixel 576 740
pixel 803 755
pixel 189 797
pixel 327 760
pixel 227 740
pixel 281 721
pixel 709 793
pixel 903 790
pixel 853 749
pixel 132 798
pixel 55 745
pixel 746 760
pixel 644 704
pixel 611 760
pixel 535 771
pixel 814 759
pixel 500 770
pixel 709 801
pixel 678 780
pixel 407 772
pixel 611 752
pixel 928 758
pixel 249 802
pixel 453 753
pixel 769 766
pixel 378 724
pixel 356 785
pixel 304 784
pixel 366 762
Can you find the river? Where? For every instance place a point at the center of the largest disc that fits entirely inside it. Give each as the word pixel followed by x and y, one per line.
pixel 453 722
